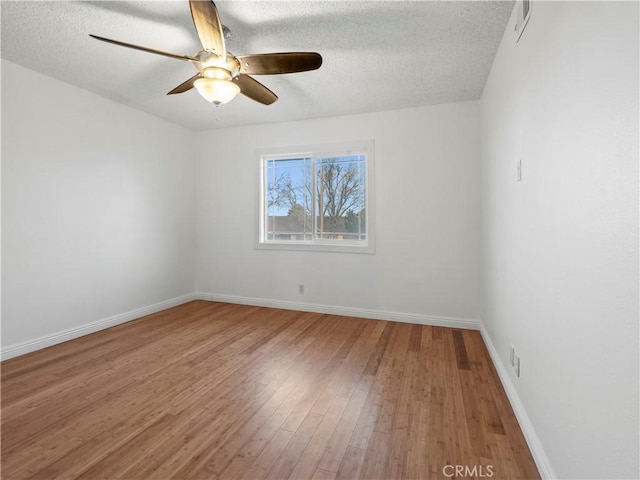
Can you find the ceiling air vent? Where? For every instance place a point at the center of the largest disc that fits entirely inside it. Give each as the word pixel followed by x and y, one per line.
pixel 524 13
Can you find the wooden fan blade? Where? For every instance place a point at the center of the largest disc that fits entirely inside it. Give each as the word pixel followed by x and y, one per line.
pixel 275 63
pixel 253 89
pixel 207 22
pixel 185 86
pixel 145 49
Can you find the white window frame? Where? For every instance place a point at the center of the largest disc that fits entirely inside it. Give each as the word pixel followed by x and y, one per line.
pixel 317 244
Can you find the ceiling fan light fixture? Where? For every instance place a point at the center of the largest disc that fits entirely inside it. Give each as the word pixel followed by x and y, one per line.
pixel 221 75
pixel 217 90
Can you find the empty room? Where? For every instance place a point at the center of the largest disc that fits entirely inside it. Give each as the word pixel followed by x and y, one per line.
pixel 320 240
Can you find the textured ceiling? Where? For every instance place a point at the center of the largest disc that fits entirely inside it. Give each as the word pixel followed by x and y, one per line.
pixel 377 55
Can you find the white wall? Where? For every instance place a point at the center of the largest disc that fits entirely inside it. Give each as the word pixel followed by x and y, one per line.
pixel 97 208
pixel 560 248
pixel 427 216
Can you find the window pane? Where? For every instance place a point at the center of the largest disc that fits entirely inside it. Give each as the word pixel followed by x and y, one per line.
pixel 288 199
pixel 340 188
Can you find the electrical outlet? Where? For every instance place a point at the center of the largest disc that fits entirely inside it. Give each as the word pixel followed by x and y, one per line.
pixel 301 289
pixel 512 355
pixel 516 366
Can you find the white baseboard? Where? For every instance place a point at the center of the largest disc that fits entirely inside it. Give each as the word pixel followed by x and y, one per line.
pixel 75 332
pixel 437 321
pixel 538 453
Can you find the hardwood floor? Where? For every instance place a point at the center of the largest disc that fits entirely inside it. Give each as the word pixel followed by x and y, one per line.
pixel 218 391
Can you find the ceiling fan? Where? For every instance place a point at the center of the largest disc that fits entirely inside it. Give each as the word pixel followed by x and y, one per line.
pixel 222 75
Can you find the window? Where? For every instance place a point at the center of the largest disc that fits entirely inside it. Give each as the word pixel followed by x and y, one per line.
pixel 317 198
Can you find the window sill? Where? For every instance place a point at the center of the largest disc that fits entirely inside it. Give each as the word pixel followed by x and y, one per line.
pixel 317 247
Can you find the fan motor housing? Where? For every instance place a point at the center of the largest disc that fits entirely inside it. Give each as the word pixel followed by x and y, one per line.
pixel 211 65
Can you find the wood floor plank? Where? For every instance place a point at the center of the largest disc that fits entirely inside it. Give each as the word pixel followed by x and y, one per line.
pixel 375 458
pixel 267 458
pixel 220 391
pixel 351 464
pixel 322 475
pixel 286 462
pixel 124 458
pixel 311 456
pixel 339 441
